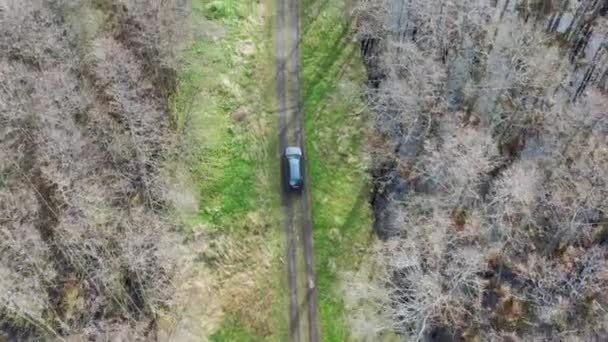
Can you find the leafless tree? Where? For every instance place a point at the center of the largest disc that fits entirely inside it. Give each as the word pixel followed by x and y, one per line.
pixel 492 170
pixel 88 248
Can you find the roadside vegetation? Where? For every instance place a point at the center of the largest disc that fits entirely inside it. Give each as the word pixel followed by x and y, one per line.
pixel 335 123
pixel 221 110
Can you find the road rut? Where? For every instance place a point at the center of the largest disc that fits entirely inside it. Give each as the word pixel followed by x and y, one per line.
pixel 295 206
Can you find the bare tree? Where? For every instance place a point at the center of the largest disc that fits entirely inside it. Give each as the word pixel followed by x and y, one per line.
pixel 87 249
pixel 491 169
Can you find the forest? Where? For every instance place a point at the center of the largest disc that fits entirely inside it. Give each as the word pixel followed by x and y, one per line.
pixel 456 169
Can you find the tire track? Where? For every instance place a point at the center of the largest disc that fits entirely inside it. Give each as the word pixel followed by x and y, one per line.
pixel 286 203
pixel 296 207
pixel 305 214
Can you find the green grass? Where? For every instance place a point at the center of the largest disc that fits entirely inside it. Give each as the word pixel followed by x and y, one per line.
pixel 225 156
pixel 230 10
pixel 232 331
pixel 334 128
pixel 232 163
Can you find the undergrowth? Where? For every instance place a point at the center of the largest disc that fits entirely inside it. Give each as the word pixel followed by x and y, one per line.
pixel 334 123
pixel 230 151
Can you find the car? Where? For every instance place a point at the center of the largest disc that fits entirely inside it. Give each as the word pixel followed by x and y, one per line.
pixel 293 156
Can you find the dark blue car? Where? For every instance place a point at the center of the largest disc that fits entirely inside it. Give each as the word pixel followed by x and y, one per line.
pixel 293 155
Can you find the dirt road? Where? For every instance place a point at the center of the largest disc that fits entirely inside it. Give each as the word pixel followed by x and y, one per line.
pixel 303 322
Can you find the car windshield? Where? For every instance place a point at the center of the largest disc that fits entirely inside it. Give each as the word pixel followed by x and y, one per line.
pixel 294 168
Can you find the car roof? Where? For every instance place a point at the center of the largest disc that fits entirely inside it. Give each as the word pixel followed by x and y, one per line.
pixel 293 150
pixel 294 169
